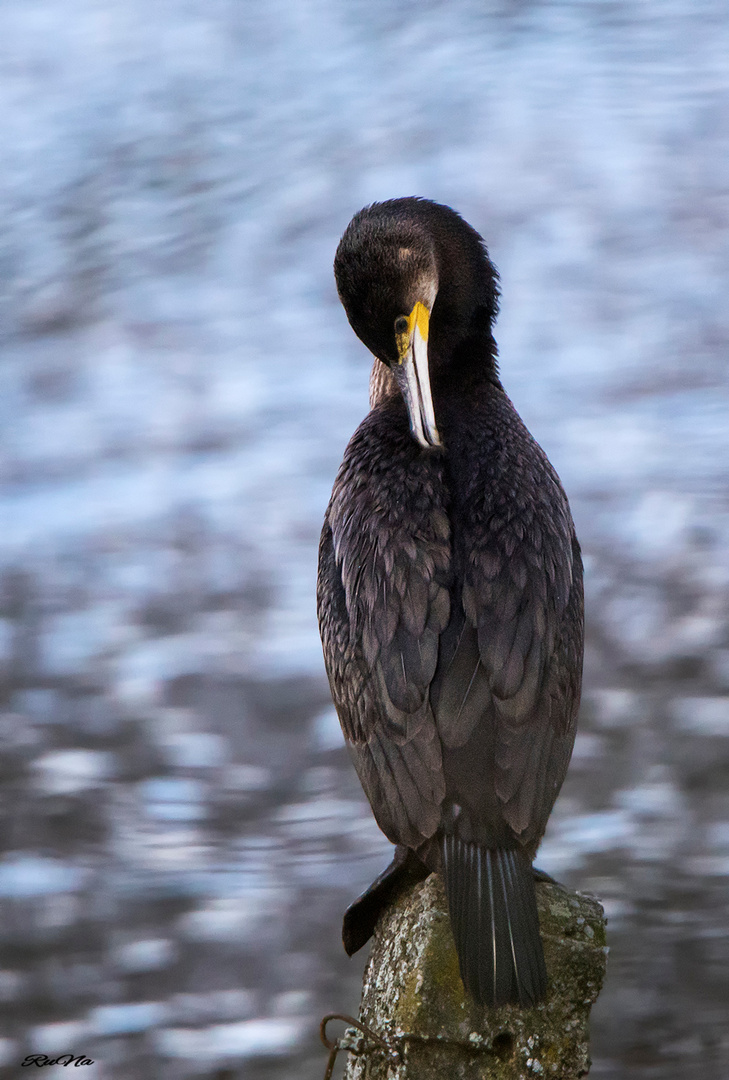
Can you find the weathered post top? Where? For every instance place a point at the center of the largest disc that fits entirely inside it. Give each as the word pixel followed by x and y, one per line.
pixel 413 996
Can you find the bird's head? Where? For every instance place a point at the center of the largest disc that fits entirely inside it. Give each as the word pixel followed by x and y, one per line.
pixel 417 285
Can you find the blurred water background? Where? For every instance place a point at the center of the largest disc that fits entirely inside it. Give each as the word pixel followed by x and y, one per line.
pixel 180 826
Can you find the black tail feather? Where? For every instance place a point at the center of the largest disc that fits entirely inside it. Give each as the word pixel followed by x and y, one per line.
pixel 493 907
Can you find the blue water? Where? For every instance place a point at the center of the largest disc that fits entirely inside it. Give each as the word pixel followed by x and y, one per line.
pixel 177 385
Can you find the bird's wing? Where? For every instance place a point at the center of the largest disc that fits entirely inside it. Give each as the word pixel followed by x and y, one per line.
pixel 516 663
pixel 383 602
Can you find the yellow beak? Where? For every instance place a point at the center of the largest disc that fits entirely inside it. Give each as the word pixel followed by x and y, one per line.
pixel 413 376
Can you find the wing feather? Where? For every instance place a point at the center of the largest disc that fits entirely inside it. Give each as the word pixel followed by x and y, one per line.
pixel 508 681
pixel 384 601
pixel 463 649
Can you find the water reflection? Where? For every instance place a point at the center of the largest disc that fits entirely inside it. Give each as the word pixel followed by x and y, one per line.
pixel 181 826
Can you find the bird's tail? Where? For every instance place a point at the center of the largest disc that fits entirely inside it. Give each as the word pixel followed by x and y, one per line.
pixel 493 909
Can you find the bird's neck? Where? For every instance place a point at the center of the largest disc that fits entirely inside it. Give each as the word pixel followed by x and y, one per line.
pixel 382 384
pixel 466 373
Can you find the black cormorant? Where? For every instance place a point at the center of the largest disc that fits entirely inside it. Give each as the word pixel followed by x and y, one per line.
pixel 449 596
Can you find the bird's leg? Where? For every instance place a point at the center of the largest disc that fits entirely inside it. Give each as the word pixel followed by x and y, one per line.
pixel 361 916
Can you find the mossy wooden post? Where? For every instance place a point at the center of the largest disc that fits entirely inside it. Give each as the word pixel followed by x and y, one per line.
pixel 413 997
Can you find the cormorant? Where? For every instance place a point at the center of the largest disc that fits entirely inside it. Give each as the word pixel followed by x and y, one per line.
pixel 449 597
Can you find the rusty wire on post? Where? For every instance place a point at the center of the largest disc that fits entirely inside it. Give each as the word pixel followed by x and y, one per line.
pixel 334 1047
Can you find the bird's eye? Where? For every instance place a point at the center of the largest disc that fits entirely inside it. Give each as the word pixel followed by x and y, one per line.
pixel 401 325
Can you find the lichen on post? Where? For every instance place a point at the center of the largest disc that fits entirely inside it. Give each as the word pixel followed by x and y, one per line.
pixel 413 996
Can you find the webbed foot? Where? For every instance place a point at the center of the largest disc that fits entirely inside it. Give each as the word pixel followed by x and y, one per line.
pixel 362 914
pixel 541 875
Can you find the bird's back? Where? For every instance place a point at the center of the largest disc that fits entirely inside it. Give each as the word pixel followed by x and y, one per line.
pixel 506 690
pixel 451 614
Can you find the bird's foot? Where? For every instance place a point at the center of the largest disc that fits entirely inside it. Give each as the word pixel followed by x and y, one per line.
pixel 361 916
pixel 542 875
